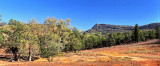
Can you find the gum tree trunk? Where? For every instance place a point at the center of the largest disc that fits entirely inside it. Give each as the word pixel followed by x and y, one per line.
pixel 30 58
pixel 11 56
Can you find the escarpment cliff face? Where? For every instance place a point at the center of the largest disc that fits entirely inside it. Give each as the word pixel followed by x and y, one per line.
pixel 107 28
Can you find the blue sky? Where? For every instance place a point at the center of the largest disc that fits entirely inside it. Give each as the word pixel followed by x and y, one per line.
pixel 84 13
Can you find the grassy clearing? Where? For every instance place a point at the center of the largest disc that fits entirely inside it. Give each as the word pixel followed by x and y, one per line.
pixel 150 57
pixel 139 51
pixel 120 59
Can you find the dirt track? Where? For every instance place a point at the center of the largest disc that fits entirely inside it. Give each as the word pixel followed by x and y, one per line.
pixel 135 54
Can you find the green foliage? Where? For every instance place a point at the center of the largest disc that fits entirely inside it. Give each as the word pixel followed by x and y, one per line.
pixel 112 39
pixel 152 34
pixel 128 37
pixel 142 36
pixel 54 49
pixel 56 36
pixel 89 43
pixel 120 38
pixel 158 32
pixel 13 22
pixel 75 41
pixel 2 39
pixel 15 38
pixel 136 33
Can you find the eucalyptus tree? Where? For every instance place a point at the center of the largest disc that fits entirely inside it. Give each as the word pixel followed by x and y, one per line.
pixel 54 36
pixel 99 39
pixel 142 36
pixel 119 39
pixel 158 32
pixel 111 40
pixel 14 42
pixel 74 43
pixel 32 38
pixel 152 34
pixel 13 22
pixel 136 33
pixel 2 37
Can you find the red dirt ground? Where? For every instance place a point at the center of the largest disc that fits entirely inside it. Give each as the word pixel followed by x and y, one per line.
pixel 135 54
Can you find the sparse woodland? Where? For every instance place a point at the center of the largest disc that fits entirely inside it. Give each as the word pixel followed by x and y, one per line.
pixel 27 40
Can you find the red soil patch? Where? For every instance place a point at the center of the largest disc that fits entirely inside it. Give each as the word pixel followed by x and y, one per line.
pixel 135 54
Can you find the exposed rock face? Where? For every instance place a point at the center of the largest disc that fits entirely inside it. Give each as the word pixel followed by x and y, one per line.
pixel 107 28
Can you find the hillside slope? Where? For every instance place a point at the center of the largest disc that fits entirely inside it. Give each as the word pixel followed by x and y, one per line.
pixel 136 54
pixel 107 28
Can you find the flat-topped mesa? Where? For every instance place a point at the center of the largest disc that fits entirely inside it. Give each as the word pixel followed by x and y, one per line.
pixel 108 28
pixel 111 26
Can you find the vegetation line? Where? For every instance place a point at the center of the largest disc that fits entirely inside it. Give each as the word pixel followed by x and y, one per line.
pixel 56 36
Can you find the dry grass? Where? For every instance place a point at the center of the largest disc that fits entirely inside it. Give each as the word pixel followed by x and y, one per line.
pixel 141 54
pixel 138 51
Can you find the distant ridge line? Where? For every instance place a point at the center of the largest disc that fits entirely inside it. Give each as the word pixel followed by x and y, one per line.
pixel 109 28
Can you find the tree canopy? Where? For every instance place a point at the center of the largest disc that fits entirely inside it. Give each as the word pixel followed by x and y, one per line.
pixel 56 36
